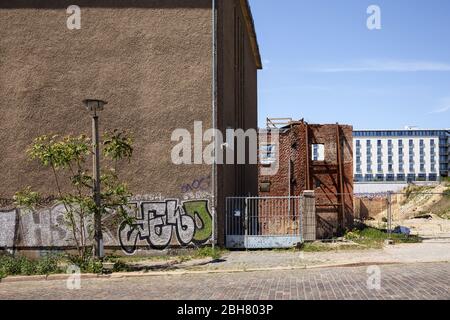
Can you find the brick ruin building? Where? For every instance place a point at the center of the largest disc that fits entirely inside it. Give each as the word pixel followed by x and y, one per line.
pixel 312 157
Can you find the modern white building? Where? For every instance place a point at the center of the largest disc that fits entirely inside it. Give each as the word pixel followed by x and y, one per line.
pixel 400 156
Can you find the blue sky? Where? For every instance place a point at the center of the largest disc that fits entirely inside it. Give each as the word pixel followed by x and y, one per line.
pixel 322 63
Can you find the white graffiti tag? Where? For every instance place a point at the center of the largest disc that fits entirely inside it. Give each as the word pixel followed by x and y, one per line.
pixel 157 221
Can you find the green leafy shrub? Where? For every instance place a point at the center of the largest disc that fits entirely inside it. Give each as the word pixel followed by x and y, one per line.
pixel 48 265
pixel 68 158
pixel 11 266
pixel 26 198
pixel 27 267
pixel 121 266
pixel 86 264
pixel 353 235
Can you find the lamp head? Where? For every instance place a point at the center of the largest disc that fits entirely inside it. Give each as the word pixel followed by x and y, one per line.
pixel 94 105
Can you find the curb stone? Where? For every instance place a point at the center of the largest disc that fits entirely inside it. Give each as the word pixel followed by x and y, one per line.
pixel 84 276
pixel 50 277
pixel 22 278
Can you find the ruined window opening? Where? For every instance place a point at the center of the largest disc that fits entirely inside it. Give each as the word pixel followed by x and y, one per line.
pixel 264 187
pixel 268 154
pixel 318 152
pixel 317 183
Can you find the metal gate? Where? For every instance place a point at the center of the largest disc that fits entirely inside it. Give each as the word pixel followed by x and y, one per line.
pixel 263 222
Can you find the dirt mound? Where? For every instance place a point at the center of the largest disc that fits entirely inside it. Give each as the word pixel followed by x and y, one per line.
pixel 423 209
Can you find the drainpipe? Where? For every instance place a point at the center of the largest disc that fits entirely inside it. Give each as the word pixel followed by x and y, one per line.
pixel 214 123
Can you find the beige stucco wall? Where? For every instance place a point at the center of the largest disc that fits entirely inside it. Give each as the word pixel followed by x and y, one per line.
pixel 150 61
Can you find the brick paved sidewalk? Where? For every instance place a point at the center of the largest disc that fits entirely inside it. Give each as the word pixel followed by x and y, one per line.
pixel 413 281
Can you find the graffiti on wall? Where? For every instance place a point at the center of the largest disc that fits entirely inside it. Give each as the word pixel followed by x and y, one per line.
pixel 197 189
pixel 43 228
pixel 200 184
pixel 159 222
pixel 156 223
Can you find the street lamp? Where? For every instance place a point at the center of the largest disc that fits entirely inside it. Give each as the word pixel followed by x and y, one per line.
pixel 94 106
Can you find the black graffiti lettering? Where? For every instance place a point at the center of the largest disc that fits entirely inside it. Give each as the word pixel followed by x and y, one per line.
pixel 157 221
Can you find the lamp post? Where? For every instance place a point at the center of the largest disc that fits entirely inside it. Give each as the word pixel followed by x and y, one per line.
pixel 94 106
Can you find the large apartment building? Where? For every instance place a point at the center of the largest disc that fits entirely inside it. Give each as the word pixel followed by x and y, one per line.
pixel 400 156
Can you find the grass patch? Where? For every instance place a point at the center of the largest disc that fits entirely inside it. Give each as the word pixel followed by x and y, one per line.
pixel 209 252
pixel 316 247
pixel 375 238
pixel 284 250
pixel 328 247
pixel 130 263
pixel 13 266
pixel 136 259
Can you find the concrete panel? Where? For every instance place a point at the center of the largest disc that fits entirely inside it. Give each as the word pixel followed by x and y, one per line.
pixel 270 242
pixel 7 225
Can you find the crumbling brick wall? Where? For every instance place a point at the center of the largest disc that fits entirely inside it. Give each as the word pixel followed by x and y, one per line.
pixel 298 172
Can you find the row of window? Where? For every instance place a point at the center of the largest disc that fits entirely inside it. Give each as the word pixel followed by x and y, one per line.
pixel 393 177
pixel 399 142
pixel 391 159
pixel 405 133
pixel 401 168
pixel 401 162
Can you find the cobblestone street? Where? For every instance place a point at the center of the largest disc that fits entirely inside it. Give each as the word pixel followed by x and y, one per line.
pixel 413 281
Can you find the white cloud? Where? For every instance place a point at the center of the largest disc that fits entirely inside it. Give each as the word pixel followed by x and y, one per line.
pixel 388 66
pixel 444 106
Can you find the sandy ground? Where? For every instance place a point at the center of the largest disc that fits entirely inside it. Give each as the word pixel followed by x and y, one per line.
pixel 432 227
pixel 418 213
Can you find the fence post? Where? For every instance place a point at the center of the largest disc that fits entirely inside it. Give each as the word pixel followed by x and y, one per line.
pixel 226 221
pixel 300 204
pixel 246 223
pixel 389 226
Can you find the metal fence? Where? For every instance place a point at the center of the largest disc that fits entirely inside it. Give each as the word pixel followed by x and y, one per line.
pixel 422 213
pixel 264 222
pixel 280 222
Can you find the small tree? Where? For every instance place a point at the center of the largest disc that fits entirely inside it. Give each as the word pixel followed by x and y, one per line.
pixel 67 158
